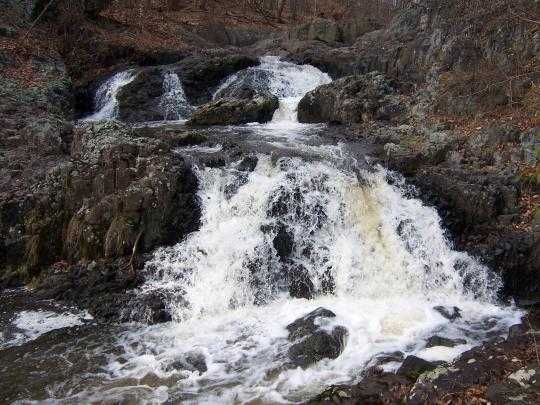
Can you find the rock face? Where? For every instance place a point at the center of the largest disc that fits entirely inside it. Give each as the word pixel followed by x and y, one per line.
pixel 140 100
pixel 353 99
pixel 413 366
pixel 229 111
pixel 313 343
pixel 119 195
pixel 136 194
pixel 331 31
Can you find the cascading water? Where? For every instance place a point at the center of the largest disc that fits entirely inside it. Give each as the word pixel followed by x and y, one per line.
pixel 354 236
pixel 105 103
pixel 287 81
pixel 174 103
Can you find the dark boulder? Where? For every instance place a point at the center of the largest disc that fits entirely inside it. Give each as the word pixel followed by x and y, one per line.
pixel 283 242
pixel 451 313
pixel 228 111
pixel 306 325
pixel 201 74
pixel 353 99
pixel 413 366
pixel 139 100
pixel 442 341
pixel 300 284
pixel 313 343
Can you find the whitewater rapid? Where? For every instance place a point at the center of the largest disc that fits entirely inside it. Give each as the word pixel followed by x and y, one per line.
pixel 358 229
pixel 354 233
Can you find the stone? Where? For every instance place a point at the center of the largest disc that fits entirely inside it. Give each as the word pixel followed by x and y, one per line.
pixel 353 99
pixel 317 346
pixel 311 343
pixel 413 367
pixel 450 313
pixel 228 111
pixel 442 341
pixel 307 324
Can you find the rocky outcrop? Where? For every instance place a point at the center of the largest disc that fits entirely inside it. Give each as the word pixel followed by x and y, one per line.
pixel 429 42
pixel 313 343
pixel 331 31
pixel 141 99
pixel 119 195
pixel 135 194
pixel 353 99
pixel 229 111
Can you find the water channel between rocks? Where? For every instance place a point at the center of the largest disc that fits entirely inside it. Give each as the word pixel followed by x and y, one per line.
pixel 304 223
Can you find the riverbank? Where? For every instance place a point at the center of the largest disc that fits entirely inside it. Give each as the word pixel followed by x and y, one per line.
pixel 84 205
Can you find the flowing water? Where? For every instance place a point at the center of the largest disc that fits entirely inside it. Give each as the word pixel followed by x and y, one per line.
pixel 370 252
pixel 105 102
pixel 174 103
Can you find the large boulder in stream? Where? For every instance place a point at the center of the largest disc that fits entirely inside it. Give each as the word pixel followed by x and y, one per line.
pixel 198 76
pixel 231 111
pixel 353 99
pixel 315 338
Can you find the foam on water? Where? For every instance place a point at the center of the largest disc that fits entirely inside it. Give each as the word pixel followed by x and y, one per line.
pixel 384 254
pixel 29 325
pixel 387 255
pixel 285 80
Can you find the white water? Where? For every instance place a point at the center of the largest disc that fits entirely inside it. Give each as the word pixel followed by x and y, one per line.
pixel 174 103
pixel 105 102
pixel 29 325
pixel 227 289
pixel 287 81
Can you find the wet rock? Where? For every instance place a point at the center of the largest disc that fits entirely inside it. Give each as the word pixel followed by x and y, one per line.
pixel 139 100
pixel 248 164
pixel 283 242
pixel 300 284
pixel 353 99
pixel 202 73
pixel 451 313
pixel 394 357
pixel 105 289
pixel 377 388
pixel 319 345
pixel 191 361
pixel 442 341
pixel 228 111
pixel 308 323
pixel 413 366
pixel 312 343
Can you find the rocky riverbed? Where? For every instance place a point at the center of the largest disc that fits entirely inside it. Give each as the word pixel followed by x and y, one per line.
pixel 104 193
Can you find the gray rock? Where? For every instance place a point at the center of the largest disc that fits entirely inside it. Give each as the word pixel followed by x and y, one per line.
pixel 353 99
pixel 451 313
pixel 414 366
pixel 442 341
pixel 313 343
pixel 228 111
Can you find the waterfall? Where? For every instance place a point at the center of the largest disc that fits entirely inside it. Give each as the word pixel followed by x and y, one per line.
pixel 174 103
pixel 287 81
pixel 305 212
pixel 373 255
pixel 105 102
